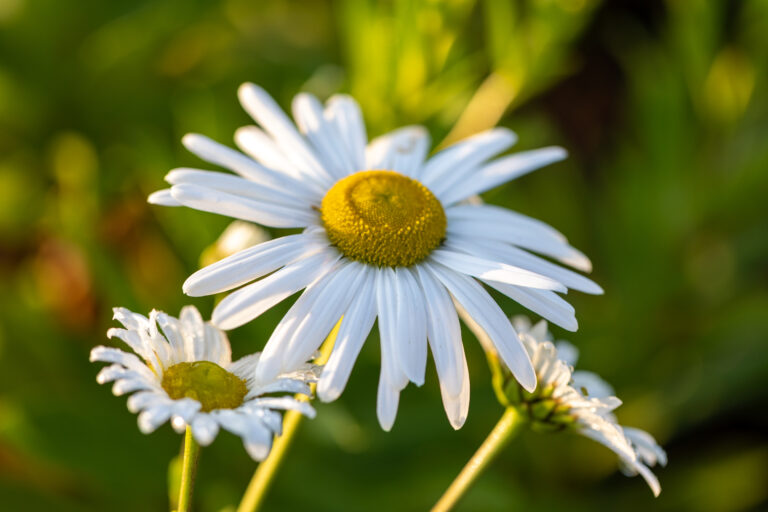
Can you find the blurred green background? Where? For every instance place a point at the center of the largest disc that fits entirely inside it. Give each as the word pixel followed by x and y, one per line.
pixel 662 106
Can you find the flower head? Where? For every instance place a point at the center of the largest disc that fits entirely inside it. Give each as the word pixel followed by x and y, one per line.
pixel 580 401
pixel 387 233
pixel 186 374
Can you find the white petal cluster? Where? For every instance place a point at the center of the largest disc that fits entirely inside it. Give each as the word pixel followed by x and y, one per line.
pixel 590 400
pixel 280 182
pixel 161 341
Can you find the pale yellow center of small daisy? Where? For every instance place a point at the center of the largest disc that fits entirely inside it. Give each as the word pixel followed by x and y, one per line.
pixel 204 381
pixel 383 218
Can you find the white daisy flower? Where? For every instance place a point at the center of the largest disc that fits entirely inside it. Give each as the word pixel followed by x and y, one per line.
pixel 187 375
pixel 582 401
pixel 387 233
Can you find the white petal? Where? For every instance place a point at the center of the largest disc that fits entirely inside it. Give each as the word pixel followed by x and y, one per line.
pixel 495 223
pixel 163 198
pixel 146 400
pixel 215 153
pixel 270 116
pixel 172 331
pixel 330 304
pixel 152 418
pixel 325 139
pixel 257 440
pixel 239 186
pixel 354 329
pixel 129 319
pixel 483 310
pixel 343 111
pixel 402 150
pixel 454 162
pixel 252 300
pixel 287 403
pixel 483 268
pixel 251 263
pixel 497 215
pixel 457 407
pixel 542 302
pixel 411 337
pixel 231 205
pixel 386 304
pixel 501 171
pixel 204 428
pixel 648 476
pixel 193 332
pixel 260 146
pixel 513 256
pixel 388 397
pixel 595 386
pixel 443 332
pixel 113 355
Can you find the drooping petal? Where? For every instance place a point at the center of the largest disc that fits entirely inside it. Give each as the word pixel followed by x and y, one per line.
pixel 354 329
pixel 482 308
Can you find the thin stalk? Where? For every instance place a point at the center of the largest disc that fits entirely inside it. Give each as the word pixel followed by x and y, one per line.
pixel 266 471
pixel 505 429
pixel 188 471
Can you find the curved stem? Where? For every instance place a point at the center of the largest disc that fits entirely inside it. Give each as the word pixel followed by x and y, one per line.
pixel 265 472
pixel 188 471
pixel 508 425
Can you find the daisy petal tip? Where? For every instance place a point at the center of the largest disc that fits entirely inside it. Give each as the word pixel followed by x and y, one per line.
pixel 190 140
pixel 528 379
pixel 326 393
pixel 162 198
pixel 386 424
pixel 457 423
pixel 96 353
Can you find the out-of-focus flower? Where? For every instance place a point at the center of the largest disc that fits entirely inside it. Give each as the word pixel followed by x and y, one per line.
pixel 579 401
pixel 187 375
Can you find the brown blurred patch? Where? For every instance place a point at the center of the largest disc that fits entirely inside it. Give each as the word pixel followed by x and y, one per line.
pixel 64 283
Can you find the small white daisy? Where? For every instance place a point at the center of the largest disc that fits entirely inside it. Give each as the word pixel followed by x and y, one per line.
pixel 387 233
pixel 582 401
pixel 187 375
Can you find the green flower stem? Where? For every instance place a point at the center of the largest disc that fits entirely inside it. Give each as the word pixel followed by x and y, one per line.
pixel 265 473
pixel 505 429
pixel 188 471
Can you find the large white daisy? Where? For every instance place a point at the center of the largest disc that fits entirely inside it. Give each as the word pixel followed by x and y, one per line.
pixel 582 401
pixel 186 374
pixel 387 233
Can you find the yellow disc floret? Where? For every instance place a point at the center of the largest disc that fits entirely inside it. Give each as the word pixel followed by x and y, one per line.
pixel 383 218
pixel 204 381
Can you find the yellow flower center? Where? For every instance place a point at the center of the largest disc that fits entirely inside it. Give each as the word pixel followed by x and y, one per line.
pixel 383 218
pixel 204 381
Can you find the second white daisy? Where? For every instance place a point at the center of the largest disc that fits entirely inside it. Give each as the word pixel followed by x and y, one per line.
pixel 186 375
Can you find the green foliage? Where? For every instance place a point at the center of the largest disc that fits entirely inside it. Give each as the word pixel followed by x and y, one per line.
pixel 662 105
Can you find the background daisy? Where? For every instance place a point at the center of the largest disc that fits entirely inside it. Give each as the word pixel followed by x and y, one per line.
pixel 584 402
pixel 186 375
